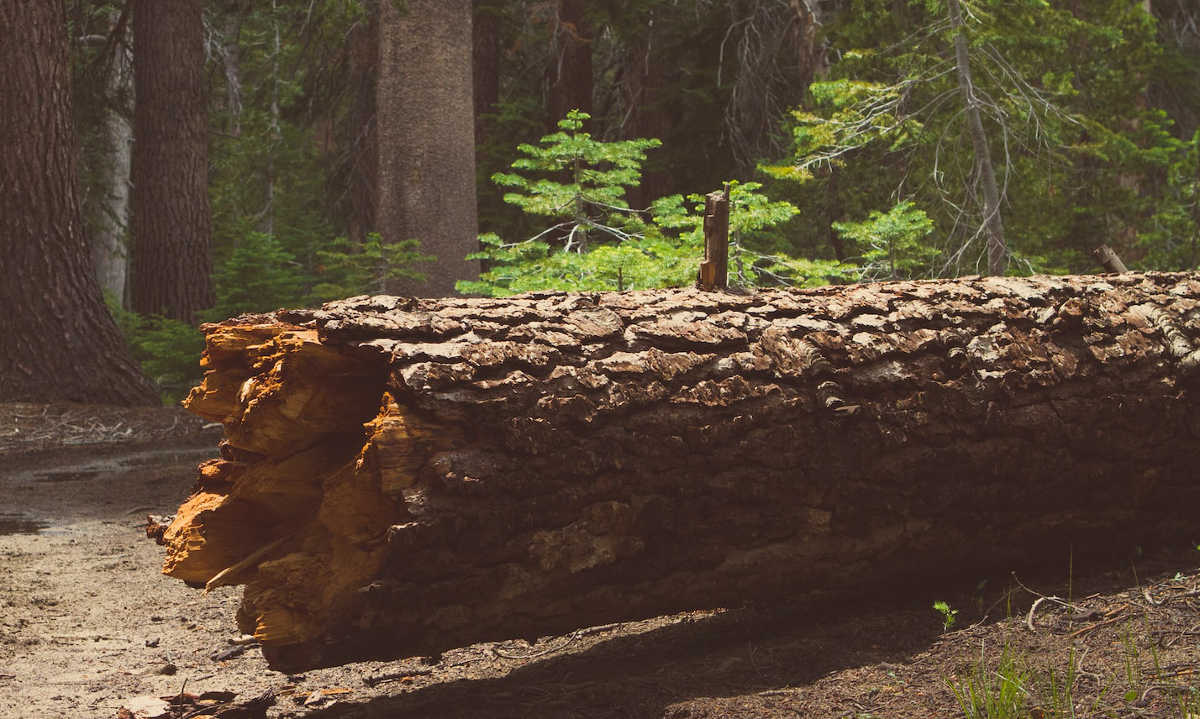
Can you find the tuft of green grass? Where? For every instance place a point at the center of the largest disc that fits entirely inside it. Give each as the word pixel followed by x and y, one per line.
pixel 1060 689
pixel 993 692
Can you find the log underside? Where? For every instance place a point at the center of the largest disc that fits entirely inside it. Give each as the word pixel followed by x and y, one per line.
pixel 403 476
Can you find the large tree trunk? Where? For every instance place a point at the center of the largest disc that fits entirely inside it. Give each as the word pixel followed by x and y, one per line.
pixel 402 476
pixel 425 139
pixel 172 224
pixel 771 53
pixel 57 340
pixel 646 115
pixel 570 76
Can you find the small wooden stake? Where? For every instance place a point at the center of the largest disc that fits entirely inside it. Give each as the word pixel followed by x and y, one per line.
pixel 1110 259
pixel 714 270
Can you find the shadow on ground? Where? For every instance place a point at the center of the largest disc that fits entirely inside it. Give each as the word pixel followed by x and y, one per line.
pixel 734 653
pixel 701 668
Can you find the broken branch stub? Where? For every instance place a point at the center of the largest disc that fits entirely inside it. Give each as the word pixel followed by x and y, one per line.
pixel 403 476
pixel 1109 258
pixel 714 270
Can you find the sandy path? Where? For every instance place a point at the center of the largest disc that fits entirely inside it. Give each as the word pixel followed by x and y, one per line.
pixel 86 621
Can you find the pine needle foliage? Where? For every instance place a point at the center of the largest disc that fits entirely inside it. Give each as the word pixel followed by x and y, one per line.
pixel 596 176
pixel 597 242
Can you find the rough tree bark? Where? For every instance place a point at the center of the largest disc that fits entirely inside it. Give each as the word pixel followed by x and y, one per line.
pixel 402 476
pixel 642 85
pixel 172 223
pixel 424 138
pixel 57 340
pixel 570 76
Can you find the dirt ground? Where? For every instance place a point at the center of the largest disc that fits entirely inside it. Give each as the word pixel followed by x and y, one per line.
pixel 88 625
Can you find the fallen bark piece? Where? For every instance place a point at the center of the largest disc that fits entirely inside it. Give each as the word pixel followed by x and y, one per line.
pixel 402 476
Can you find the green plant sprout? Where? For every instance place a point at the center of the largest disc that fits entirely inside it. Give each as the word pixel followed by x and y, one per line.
pixel 949 616
pixel 892 243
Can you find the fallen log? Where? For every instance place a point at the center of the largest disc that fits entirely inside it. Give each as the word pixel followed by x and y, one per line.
pixel 401 476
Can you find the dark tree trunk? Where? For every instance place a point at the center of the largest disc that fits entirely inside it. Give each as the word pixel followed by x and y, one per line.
pixel 571 74
pixel 425 131
pixel 551 461
pixel 648 117
pixel 804 40
pixel 58 339
pixel 486 62
pixel 172 224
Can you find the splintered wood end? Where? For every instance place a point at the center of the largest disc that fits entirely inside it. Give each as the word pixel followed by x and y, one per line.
pixel 323 455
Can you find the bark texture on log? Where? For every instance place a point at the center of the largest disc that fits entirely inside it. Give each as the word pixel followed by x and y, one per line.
pixel 402 476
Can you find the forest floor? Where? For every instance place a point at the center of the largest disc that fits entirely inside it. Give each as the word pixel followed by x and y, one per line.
pixel 88 625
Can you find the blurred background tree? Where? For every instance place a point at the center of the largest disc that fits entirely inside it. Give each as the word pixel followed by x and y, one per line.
pixel 849 112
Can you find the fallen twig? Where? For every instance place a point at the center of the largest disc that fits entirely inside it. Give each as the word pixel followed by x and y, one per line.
pixel 1090 627
pixel 396 676
pixel 548 650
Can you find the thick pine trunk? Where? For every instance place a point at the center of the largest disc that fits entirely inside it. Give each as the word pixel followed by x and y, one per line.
pixel 570 76
pixel 425 129
pixel 769 56
pixel 402 476
pixel 57 339
pixel 646 116
pixel 172 223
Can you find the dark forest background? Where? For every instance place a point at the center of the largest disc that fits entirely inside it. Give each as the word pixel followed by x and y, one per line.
pixel 238 156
